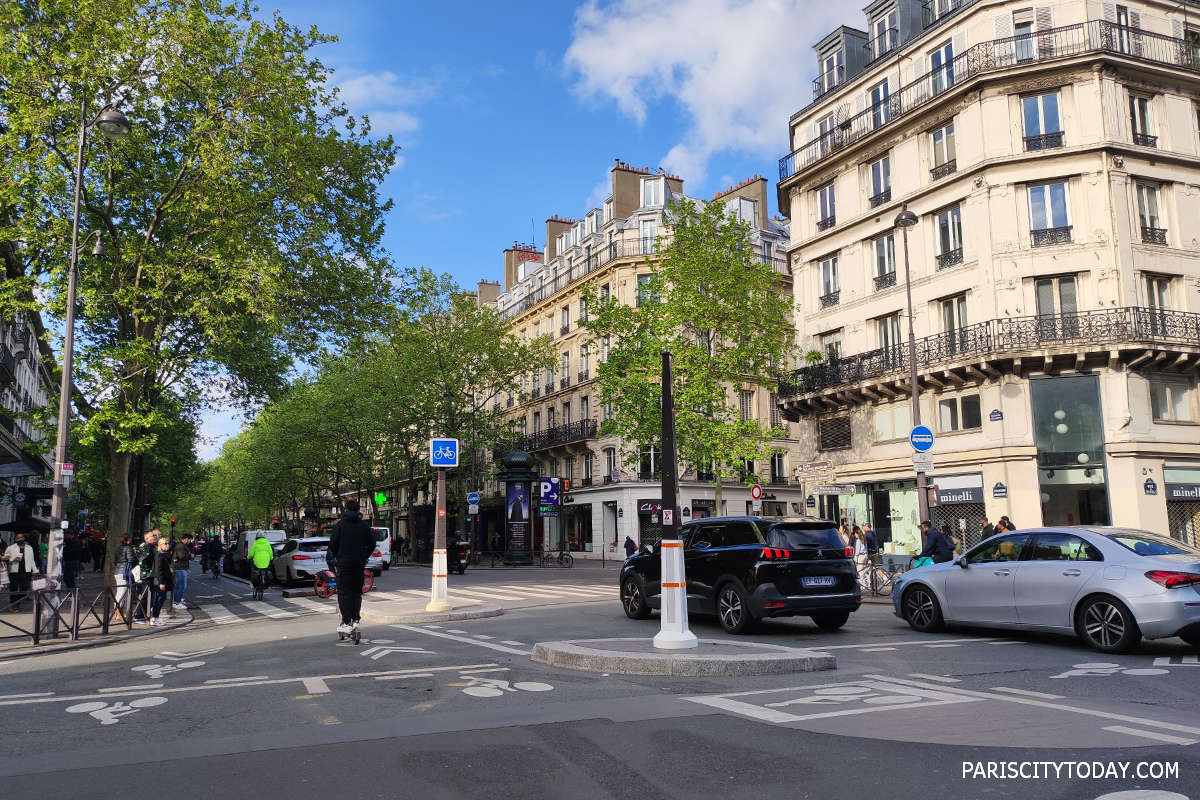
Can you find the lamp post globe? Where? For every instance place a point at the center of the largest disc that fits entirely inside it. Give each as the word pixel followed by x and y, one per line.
pixel 906 219
pixel 113 124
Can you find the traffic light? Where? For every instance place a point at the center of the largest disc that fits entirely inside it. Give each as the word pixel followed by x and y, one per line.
pixel 274 523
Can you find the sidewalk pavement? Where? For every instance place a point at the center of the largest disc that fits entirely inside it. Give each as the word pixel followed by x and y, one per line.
pixel 486 563
pixel 14 645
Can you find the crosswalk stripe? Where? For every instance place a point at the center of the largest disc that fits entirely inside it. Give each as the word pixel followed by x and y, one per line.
pixel 267 610
pixel 490 595
pixel 219 614
pixel 381 596
pixel 311 605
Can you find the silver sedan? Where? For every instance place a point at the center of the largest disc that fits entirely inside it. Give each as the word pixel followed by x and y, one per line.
pixel 1111 586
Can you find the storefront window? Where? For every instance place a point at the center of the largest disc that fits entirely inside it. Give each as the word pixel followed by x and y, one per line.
pixel 1067 420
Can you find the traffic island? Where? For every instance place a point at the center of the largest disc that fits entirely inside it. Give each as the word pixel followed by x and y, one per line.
pixel 712 657
pixel 415 613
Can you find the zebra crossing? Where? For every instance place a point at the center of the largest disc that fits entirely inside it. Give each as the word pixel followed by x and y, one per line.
pixel 234 611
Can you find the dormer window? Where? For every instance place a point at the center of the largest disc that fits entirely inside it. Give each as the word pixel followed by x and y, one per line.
pixel 608 210
pixel 652 192
pixel 832 70
pixel 885 34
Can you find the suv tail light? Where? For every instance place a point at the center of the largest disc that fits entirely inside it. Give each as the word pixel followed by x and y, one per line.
pixel 299 557
pixel 377 554
pixel 849 551
pixel 775 552
pixel 1173 580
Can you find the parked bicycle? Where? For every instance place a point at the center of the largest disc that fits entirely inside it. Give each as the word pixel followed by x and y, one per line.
pixel 562 558
pixel 880 579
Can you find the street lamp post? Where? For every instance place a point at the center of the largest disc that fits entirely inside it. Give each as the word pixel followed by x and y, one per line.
pixel 114 125
pixel 905 220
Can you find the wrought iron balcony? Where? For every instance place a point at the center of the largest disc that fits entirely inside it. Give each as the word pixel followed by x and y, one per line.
pixel 508 403
pixel 536 393
pixel 883 197
pixel 1154 235
pixel 1044 237
pixel 564 381
pixel 564 330
pixel 999 337
pixel 778 480
pixel 583 375
pixel 935 11
pixel 828 80
pixel 827 223
pixel 951 258
pixel 1044 141
pixel 942 170
pixel 1145 140
pixel 585 483
pixel 549 387
pixel 885 281
pixel 830 300
pixel 1052 44
pixel 554 437
pixel 649 476
pixel 881 45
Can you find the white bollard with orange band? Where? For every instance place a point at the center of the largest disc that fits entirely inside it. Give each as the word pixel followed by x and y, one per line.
pixel 438 601
pixel 674 634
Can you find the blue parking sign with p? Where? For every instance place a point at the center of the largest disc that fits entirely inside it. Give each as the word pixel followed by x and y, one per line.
pixel 443 452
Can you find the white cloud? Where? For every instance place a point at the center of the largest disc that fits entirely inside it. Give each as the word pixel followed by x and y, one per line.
pixel 738 68
pixel 386 99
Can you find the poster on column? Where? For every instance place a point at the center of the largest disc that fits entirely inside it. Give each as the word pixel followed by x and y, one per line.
pixel 518 515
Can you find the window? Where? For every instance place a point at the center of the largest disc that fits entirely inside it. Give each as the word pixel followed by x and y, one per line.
pixel 585 407
pixel 1007 548
pixel 834 433
pixel 831 345
pixel 537 384
pixel 954 313
pixel 948 230
pixel 610 463
pixel 1141 121
pixel 1158 291
pixel 605 293
pixel 881 181
pixel 1149 216
pixel 892 422
pixel 583 317
pixel 650 462
pixel 1170 402
pixel 778 469
pixel 537 422
pixel 587 467
pixel 652 192
pixel 826 130
pixel 942 156
pixel 888 330
pixel 941 67
pixel 1048 219
pixel 584 362
pixel 565 367
pixel 829 278
pixel 566 413
pixel 881 108
pixel 1056 296
pixel 776 422
pixel 607 410
pixel 566 318
pixel 1040 115
pixel 649 237
pixel 605 347
pixel 746 406
pixel 644 293
pixel 1063 547
pixel 1124 20
pixel 831 71
pixel 885 258
pixel 959 413
pixel 884 34
pixel 550 421
pixel 826 207
pixel 768 251
pixel 1024 33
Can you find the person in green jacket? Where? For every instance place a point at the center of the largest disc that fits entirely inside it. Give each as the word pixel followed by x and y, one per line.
pixel 260 556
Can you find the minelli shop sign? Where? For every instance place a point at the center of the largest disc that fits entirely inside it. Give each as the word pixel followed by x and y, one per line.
pixel 1183 491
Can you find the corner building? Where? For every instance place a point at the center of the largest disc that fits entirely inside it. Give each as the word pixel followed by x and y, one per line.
pixel 1050 154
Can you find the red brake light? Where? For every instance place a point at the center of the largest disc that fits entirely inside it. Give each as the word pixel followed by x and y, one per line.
pixel 299 557
pixel 1173 580
pixel 849 551
pixel 772 552
pixel 377 554
pixel 768 553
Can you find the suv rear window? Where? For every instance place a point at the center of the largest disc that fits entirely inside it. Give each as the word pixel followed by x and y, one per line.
pixel 1146 545
pixel 381 534
pixel 799 536
pixel 314 547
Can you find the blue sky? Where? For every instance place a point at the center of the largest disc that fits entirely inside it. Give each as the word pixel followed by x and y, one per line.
pixel 508 113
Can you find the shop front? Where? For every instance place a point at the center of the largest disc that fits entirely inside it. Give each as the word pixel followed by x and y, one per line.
pixel 1068 429
pixel 649 520
pixel 1183 503
pixel 960 505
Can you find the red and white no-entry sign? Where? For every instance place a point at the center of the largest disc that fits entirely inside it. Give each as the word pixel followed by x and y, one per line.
pixel 756 492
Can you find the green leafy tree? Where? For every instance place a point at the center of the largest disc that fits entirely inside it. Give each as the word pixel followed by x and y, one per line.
pixel 725 317
pixel 241 217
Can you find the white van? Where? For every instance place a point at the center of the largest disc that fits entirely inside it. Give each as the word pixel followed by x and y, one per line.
pixel 242 544
pixel 383 549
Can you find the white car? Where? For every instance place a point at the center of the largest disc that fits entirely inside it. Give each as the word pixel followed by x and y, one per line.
pixel 300 559
pixel 383 547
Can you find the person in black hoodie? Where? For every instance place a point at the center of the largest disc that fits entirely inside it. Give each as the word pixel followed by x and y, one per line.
pixel 162 580
pixel 72 554
pixel 350 545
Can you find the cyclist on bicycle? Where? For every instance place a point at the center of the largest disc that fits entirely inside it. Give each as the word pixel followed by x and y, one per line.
pixel 350 545
pixel 260 556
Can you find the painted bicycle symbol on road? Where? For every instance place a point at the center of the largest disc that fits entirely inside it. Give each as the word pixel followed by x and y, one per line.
pixel 110 714
pixel 493 687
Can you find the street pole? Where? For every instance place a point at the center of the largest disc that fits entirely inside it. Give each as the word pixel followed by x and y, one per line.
pixel 674 633
pixel 905 220
pixel 438 600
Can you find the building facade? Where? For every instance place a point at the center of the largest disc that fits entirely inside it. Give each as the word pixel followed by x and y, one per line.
pixel 559 410
pixel 25 384
pixel 1050 153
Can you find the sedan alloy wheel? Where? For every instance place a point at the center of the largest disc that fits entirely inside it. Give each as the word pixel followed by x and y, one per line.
pixel 1108 626
pixel 632 599
pixel 733 612
pixel 922 611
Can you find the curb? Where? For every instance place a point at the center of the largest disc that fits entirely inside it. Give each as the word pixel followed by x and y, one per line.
pixel 467 612
pixel 309 592
pixel 137 632
pixel 780 660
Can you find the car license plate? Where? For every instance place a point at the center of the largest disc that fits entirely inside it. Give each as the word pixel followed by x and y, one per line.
pixel 820 580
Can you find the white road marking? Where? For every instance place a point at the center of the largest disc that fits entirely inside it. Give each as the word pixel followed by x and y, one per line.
pixel 482 671
pixel 466 639
pixel 142 687
pixel 833 694
pixel 409 675
pixel 937 678
pixel 1043 704
pixel 315 685
pixel 1184 661
pixel 483 636
pixel 490 595
pixel 267 610
pixel 219 614
pixel 452 630
pixel 861 645
pixel 21 696
pixel 312 605
pixel 170 655
pixel 1162 737
pixel 875 649
pixel 943 645
pixel 1027 693
pixel 745 709
pixel 239 680
pixel 511 643
pixel 1008 642
pixel 377 653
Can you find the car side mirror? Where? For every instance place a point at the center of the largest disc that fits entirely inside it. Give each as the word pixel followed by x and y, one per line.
pixel 962 562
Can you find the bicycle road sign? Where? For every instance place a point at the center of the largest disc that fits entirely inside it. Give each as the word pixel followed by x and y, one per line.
pixel 443 453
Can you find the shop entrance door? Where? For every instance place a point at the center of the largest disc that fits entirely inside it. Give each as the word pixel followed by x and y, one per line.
pixel 881 519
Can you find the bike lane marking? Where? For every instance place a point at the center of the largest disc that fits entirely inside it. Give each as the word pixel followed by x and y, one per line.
pixel 466 640
pixel 1161 737
pixel 856 697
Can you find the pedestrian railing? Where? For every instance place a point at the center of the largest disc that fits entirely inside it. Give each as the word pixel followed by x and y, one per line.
pixel 55 613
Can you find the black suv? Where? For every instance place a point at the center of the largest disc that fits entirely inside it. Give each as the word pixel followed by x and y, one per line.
pixel 745 568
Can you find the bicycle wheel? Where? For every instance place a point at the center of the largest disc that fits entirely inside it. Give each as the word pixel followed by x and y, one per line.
pixel 884 582
pixel 322 587
pixel 368 581
pixel 568 560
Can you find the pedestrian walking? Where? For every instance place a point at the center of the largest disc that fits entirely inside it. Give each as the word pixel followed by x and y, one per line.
pixel 22 566
pixel 181 561
pixel 861 559
pixel 630 547
pixel 143 568
pixel 162 581
pixel 72 554
pixel 986 529
pixel 350 545
pixel 1008 524
pixel 98 545
pixel 124 561
pixel 260 556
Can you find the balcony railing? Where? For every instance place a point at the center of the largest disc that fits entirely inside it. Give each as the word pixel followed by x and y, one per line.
pixel 951 258
pixel 827 223
pixel 935 11
pixel 584 375
pixel 1044 237
pixel 553 437
pixel 549 387
pixel 1002 336
pixel 1044 141
pixel 881 45
pixel 942 170
pixel 8 366
pixel 885 281
pixel 828 81
pixel 1145 140
pixel 1096 36
pixel 649 476
pixel 830 300
pixel 779 480
pixel 1154 235
pixel 536 393
pixel 883 197
pixel 564 330
pixel 564 381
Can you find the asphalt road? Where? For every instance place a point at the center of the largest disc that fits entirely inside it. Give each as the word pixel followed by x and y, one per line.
pixel 262 701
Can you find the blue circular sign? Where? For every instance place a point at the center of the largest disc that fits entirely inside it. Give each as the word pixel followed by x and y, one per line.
pixel 473 498
pixel 921 439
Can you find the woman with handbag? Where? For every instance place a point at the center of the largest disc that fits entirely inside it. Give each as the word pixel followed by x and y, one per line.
pixel 22 566
pixel 123 562
pixel 162 581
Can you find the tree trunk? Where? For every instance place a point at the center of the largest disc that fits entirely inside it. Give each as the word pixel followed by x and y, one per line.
pixel 718 511
pixel 118 505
